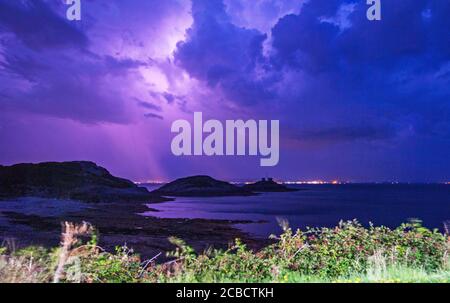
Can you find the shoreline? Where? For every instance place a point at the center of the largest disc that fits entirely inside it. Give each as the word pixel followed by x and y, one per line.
pixel 123 224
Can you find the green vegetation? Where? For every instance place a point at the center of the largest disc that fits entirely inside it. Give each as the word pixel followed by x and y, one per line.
pixel 346 253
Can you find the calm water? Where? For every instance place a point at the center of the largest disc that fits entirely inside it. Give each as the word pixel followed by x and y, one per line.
pixel 320 205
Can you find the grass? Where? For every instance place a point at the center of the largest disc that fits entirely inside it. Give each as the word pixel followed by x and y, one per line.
pixel 348 253
pixel 392 274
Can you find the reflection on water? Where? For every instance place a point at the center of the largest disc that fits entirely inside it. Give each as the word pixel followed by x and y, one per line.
pixel 320 205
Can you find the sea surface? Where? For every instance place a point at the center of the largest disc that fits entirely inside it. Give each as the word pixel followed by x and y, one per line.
pixel 320 205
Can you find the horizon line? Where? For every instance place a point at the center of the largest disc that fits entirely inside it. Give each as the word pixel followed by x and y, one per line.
pixel 308 182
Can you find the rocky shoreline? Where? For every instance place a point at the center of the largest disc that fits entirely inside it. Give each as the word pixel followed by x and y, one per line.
pixel 42 196
pixel 120 224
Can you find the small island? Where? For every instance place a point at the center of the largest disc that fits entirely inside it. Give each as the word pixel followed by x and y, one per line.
pixel 78 180
pixel 267 185
pixel 201 186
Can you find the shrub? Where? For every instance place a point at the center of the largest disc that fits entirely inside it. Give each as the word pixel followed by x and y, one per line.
pixel 324 253
pixel 29 265
pixel 348 252
pixel 347 248
pixel 101 267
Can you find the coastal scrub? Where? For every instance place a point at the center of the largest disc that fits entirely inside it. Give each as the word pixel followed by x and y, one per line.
pixel 347 253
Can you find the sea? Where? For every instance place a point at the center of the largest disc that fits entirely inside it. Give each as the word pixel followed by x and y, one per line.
pixel 319 206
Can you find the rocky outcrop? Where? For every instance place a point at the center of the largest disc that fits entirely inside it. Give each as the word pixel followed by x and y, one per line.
pixel 201 186
pixel 267 185
pixel 83 181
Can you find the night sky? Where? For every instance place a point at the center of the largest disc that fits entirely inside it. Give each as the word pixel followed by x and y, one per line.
pixel 357 100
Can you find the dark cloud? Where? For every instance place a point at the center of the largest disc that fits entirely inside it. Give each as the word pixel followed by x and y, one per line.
pixel 86 89
pixel 38 26
pixel 47 68
pixel 354 73
pixel 387 70
pixel 306 41
pixel 153 116
pixel 222 54
pixel 170 98
pixel 119 65
pixel 27 67
pixel 303 41
pixel 401 35
pixel 148 105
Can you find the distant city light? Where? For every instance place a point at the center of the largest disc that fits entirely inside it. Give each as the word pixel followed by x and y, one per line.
pixel 150 182
pixel 313 182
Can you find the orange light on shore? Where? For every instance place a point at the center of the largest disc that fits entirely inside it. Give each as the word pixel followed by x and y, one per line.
pixel 150 182
pixel 314 182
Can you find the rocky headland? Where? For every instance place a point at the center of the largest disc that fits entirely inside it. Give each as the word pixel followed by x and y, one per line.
pixel 201 186
pixel 80 180
pixel 36 198
pixel 267 185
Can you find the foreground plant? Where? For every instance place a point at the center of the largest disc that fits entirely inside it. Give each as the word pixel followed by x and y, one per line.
pixel 347 253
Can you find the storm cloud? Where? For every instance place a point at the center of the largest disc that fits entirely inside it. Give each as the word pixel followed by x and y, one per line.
pixel 336 81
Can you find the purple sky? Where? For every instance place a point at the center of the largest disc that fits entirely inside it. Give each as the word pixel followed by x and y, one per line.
pixel 356 100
